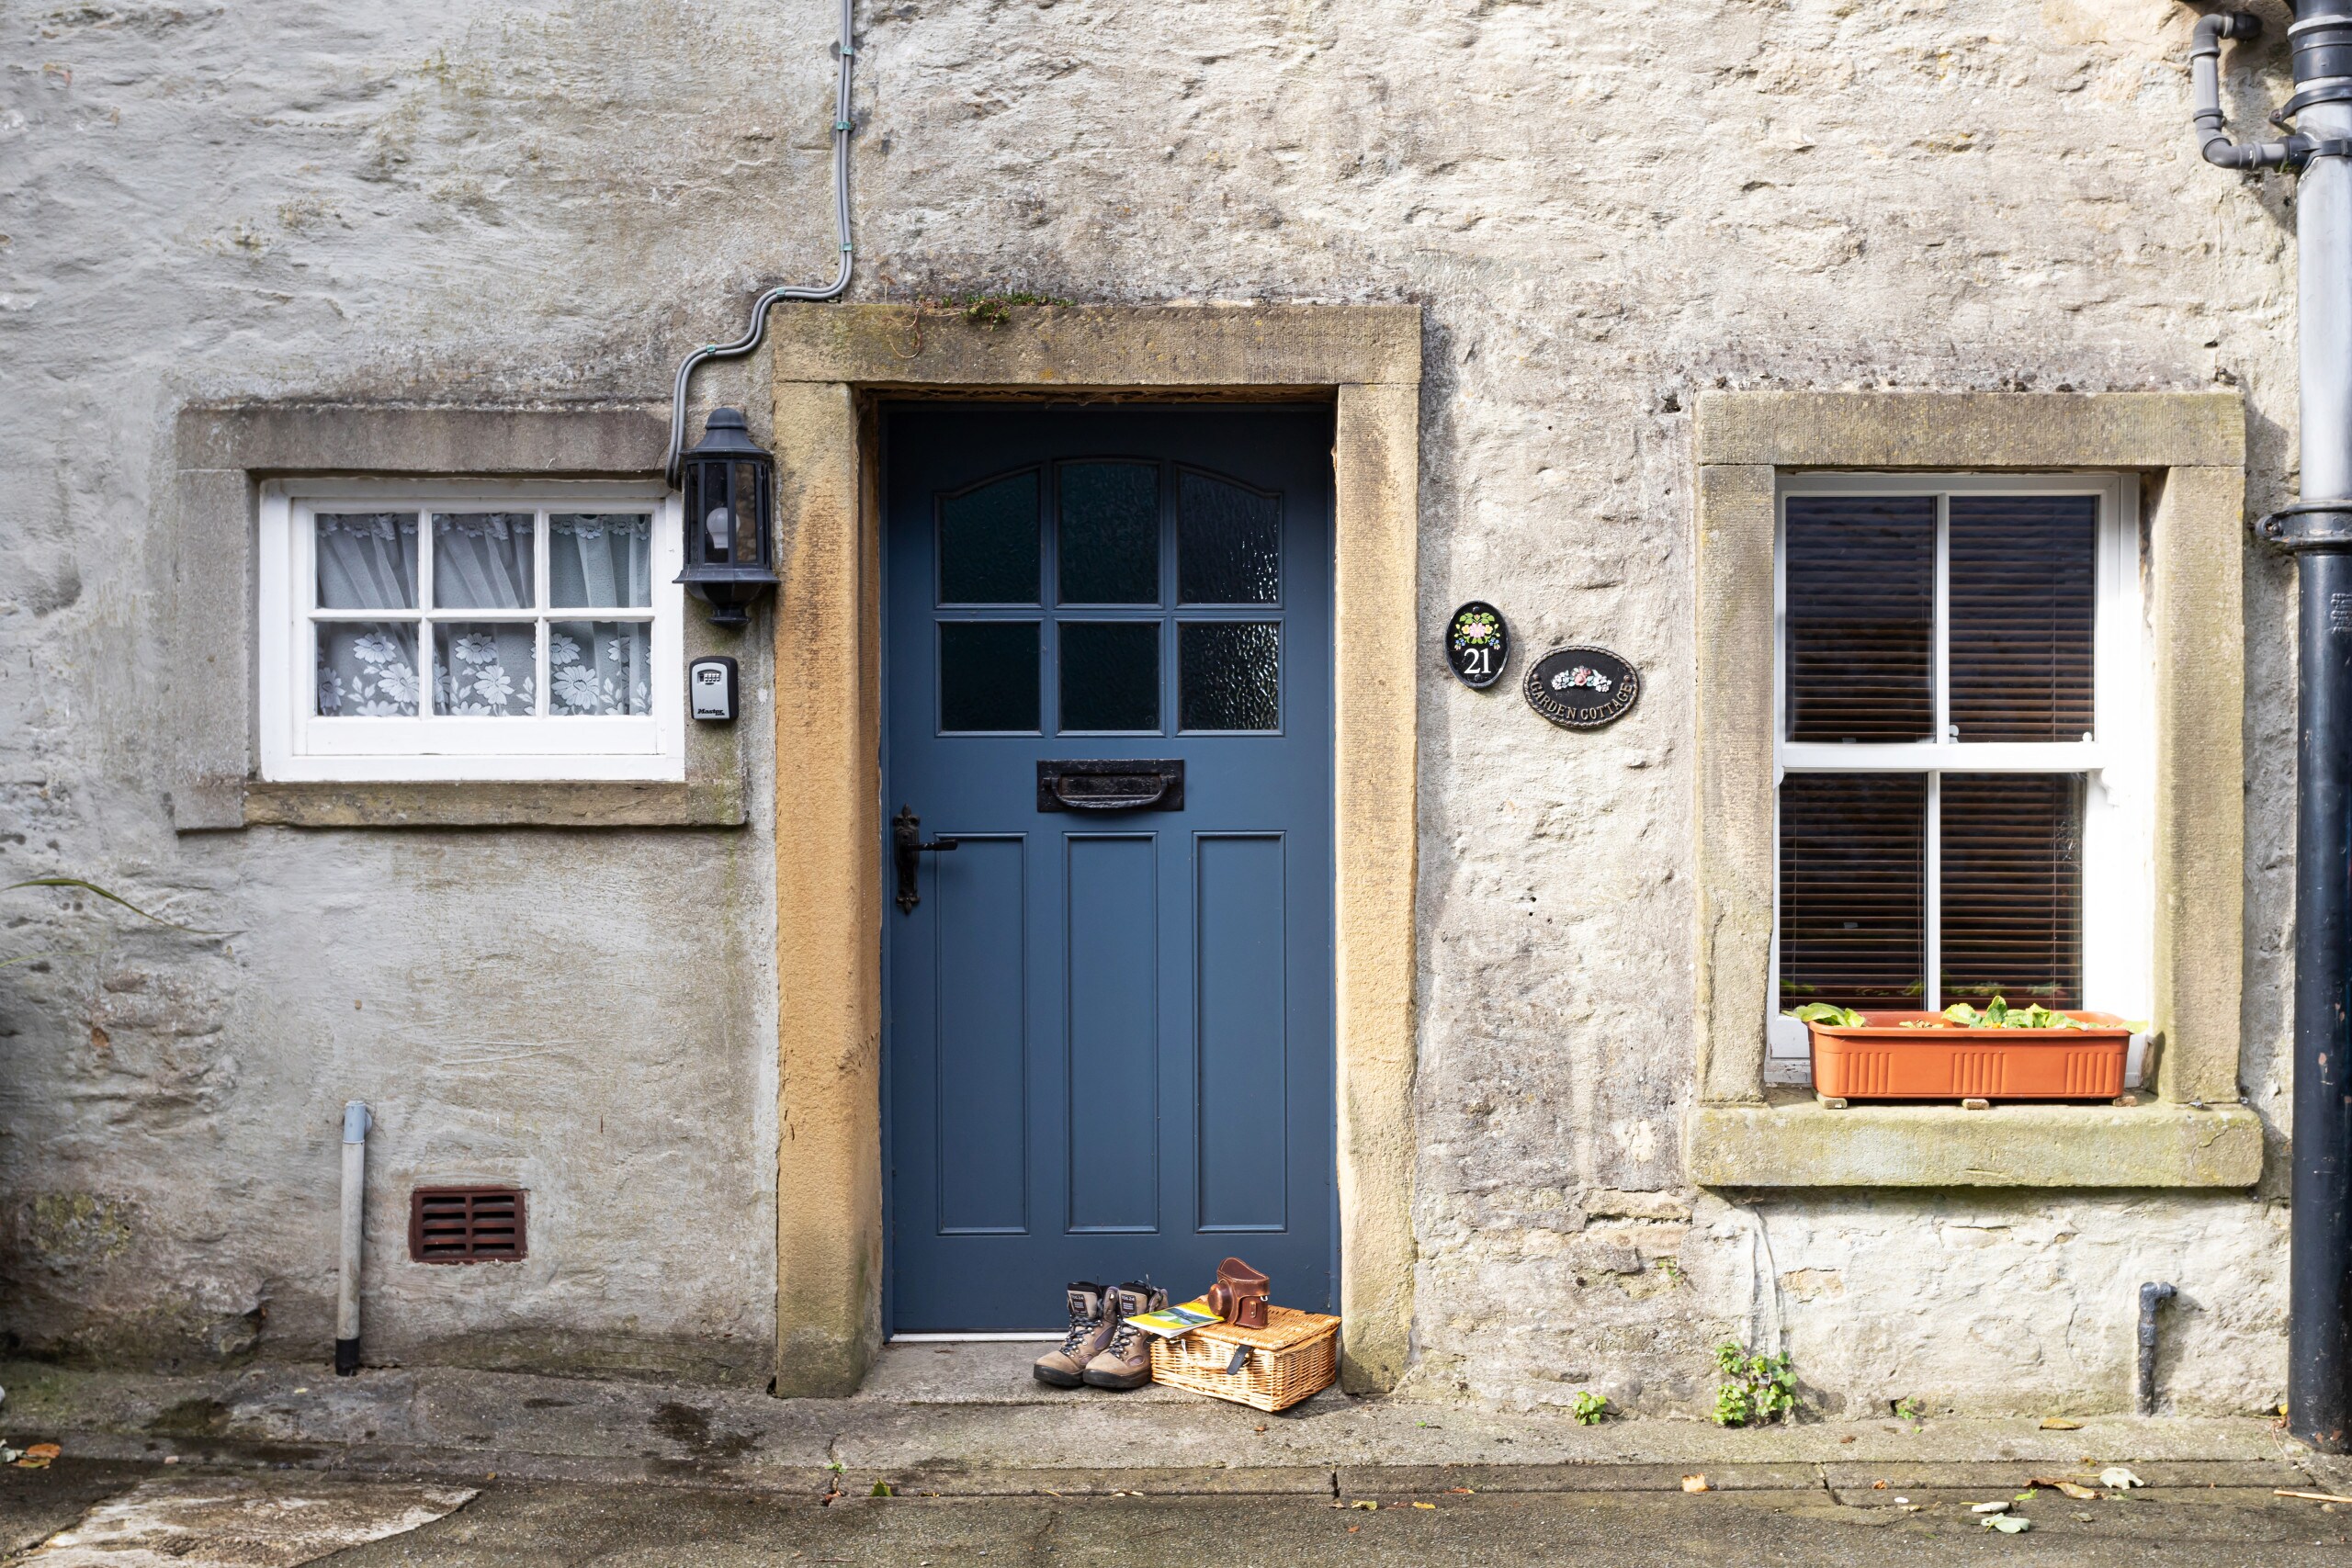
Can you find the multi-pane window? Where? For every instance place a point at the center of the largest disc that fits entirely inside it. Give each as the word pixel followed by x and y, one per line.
pixel 510 629
pixel 1962 744
pixel 1056 609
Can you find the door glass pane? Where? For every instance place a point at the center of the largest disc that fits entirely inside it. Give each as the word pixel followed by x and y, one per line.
pixel 600 667
pixel 1110 674
pixel 988 544
pixel 366 560
pixel 2023 583
pixel 1110 534
pixel 481 560
pixel 2013 889
pixel 600 560
pixel 1228 675
pixel 1861 607
pixel 1228 544
pixel 484 667
pixel 1853 889
pixel 988 675
pixel 367 669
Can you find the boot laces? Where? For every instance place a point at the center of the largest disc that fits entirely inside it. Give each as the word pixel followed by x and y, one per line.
pixel 1080 1326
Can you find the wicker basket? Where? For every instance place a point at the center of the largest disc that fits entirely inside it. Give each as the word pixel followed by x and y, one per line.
pixel 1295 1357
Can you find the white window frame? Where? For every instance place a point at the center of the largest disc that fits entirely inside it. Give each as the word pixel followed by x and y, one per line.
pixel 297 744
pixel 2119 759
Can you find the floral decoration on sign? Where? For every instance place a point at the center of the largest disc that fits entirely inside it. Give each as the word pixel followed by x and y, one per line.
pixel 1582 688
pixel 1476 644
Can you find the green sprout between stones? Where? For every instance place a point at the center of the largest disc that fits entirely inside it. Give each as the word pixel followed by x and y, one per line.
pixel 1757 1389
pixel 1590 1408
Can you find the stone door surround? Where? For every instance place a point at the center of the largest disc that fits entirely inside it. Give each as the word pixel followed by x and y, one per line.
pixel 832 363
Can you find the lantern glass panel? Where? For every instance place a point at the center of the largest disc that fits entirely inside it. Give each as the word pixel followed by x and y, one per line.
pixel 746 487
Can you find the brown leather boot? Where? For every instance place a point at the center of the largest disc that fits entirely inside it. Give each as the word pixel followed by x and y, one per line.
pixel 1090 1328
pixel 1126 1361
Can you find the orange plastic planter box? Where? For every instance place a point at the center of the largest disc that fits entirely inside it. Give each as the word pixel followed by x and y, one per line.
pixel 1880 1059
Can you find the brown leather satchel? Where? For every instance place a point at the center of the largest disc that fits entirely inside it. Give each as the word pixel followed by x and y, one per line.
pixel 1240 1294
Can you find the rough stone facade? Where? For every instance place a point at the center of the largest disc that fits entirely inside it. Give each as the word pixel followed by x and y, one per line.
pixel 1602 208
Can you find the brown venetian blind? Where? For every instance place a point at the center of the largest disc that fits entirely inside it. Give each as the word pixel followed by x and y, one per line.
pixel 2013 888
pixel 1853 889
pixel 1861 617
pixel 2021 594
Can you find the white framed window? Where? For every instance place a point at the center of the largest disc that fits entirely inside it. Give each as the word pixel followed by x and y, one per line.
pixel 469 630
pixel 1965 747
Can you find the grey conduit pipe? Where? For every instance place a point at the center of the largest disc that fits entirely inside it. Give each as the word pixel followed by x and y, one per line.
pixel 347 1254
pixel 2317 530
pixel 760 307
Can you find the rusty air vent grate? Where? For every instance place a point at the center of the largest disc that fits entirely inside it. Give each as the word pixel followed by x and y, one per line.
pixel 466 1224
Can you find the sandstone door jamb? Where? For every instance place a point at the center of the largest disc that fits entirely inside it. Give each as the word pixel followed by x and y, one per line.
pixel 829 362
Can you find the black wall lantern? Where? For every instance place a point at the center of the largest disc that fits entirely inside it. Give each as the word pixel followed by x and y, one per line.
pixel 730 487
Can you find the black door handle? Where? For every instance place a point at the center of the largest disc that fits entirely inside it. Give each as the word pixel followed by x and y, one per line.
pixel 907 847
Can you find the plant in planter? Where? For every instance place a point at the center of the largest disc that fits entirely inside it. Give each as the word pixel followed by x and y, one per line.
pixel 1994 1052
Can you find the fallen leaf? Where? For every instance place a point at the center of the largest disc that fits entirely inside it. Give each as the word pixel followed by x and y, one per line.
pixel 1699 1483
pixel 1877 1485
pixel 2075 1489
pixel 2007 1524
pixel 1353 1528
pixel 882 1489
pixel 43 1450
pixel 2115 1476
pixel 1432 1506
pixel 2000 1506
pixel 1368 1505
pixel 1847 1439
pixel 2060 1424
pixel 1462 1491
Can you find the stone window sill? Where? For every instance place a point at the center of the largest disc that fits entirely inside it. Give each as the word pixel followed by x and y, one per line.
pixel 709 803
pixel 1792 1141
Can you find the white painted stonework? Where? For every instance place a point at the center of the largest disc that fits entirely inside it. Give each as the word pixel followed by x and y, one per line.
pixel 1603 208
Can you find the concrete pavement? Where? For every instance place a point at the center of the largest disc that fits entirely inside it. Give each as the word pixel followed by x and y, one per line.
pixel 988 1466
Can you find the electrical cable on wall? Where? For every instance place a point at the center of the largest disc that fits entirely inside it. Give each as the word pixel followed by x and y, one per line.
pixel 757 329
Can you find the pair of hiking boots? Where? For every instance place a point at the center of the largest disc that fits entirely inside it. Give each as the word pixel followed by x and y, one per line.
pixel 1102 1349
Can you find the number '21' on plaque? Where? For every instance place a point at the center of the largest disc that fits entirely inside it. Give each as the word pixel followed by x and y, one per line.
pixel 1476 644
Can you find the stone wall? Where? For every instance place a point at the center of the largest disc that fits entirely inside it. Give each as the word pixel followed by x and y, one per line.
pixel 1603 208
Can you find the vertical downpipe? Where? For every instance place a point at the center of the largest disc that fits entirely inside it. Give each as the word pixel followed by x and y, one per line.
pixel 355 1210
pixel 2317 529
pixel 2320 1313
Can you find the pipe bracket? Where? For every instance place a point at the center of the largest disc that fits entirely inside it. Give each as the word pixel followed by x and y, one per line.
pixel 2309 525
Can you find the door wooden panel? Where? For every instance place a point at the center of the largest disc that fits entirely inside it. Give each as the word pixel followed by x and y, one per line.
pixel 1108 1033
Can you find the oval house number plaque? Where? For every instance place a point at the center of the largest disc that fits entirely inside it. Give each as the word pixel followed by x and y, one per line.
pixel 1582 688
pixel 1477 643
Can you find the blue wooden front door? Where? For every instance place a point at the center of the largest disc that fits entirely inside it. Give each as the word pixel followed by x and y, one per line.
pixel 1109 1031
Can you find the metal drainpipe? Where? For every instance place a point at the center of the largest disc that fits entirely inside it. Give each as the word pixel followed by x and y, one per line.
pixel 350 1237
pixel 2318 532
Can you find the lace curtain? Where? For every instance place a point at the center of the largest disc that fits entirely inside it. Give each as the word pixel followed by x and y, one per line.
pixel 485 561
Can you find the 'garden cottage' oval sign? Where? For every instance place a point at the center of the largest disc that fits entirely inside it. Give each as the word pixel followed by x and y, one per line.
pixel 1583 688
pixel 1477 643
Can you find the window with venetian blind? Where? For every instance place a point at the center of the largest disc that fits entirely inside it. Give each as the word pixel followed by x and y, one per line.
pixel 1963 740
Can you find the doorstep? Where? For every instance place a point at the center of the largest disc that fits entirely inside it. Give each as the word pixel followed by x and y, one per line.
pixel 980 1433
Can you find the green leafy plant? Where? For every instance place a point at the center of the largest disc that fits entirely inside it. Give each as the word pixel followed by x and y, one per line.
pixel 1998 1014
pixel 1909 1409
pixel 1590 1408
pixel 1826 1012
pixel 1755 1389
pixel 992 311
